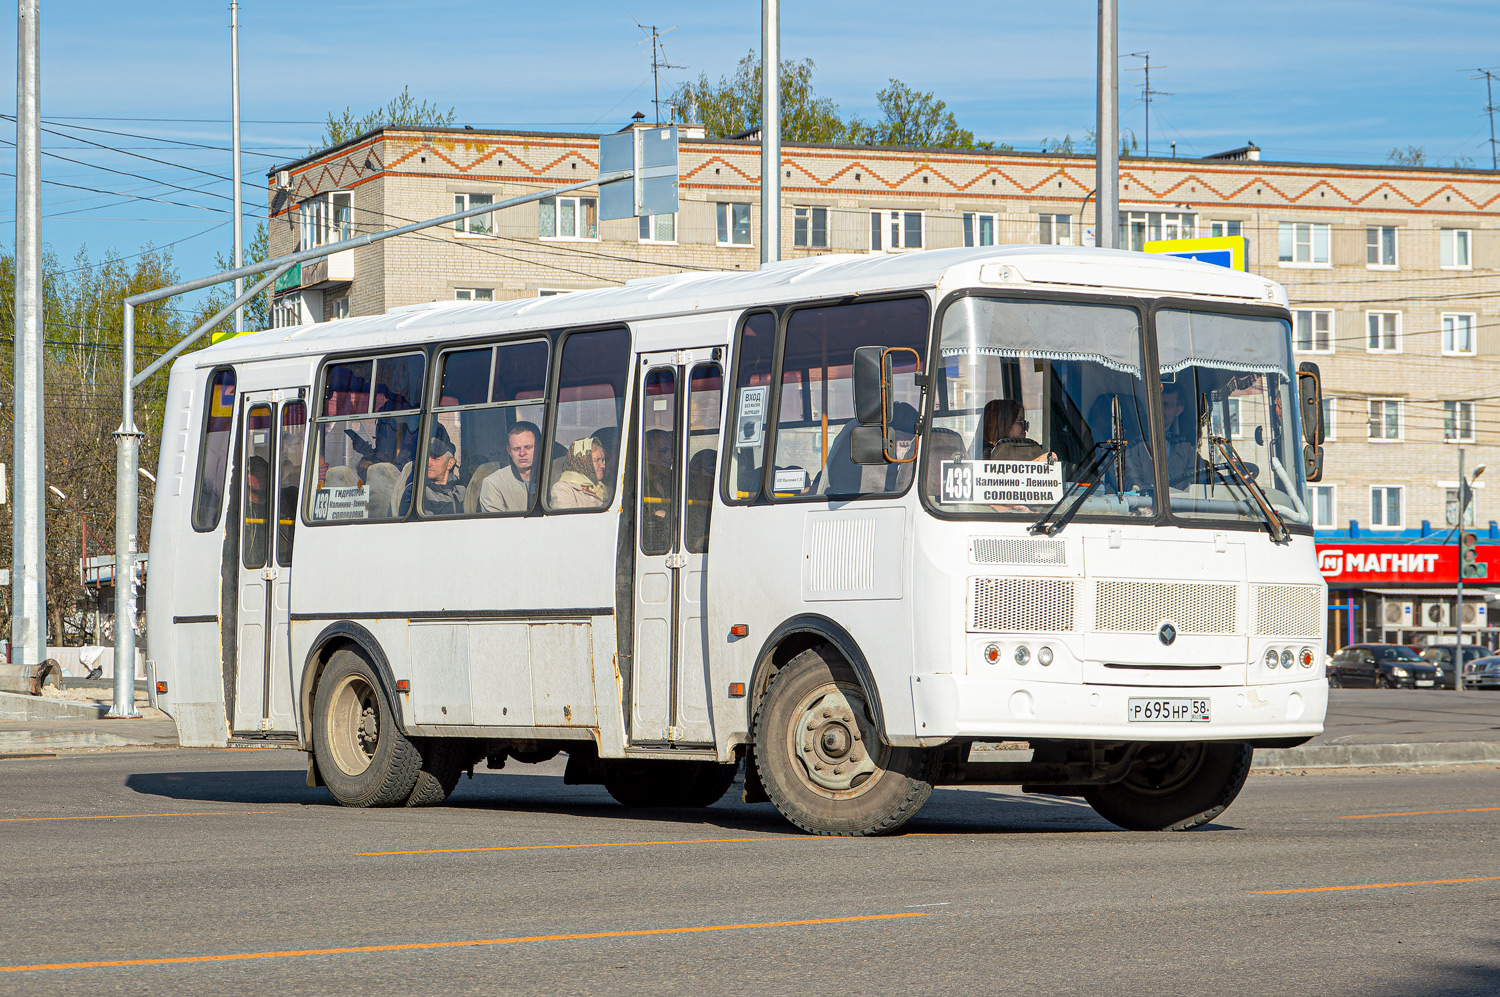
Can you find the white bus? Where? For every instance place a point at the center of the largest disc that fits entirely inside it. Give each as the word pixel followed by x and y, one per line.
pixel 841 520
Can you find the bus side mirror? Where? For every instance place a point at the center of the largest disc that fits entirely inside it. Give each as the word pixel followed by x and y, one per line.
pixel 1312 462
pixel 872 441
pixel 869 386
pixel 1310 394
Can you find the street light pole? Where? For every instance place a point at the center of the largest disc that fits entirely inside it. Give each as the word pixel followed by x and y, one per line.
pixel 234 141
pixel 770 131
pixel 1107 131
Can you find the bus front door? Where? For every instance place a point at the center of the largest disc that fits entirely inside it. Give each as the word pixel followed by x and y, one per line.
pixel 275 427
pixel 678 441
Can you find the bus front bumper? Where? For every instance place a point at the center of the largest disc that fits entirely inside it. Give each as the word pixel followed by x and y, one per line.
pixel 949 706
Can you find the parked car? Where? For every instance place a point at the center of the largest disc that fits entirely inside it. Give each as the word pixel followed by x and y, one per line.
pixel 1441 655
pixel 1483 673
pixel 1382 666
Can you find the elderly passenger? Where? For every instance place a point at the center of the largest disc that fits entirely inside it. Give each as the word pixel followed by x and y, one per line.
pixel 581 484
pixel 442 495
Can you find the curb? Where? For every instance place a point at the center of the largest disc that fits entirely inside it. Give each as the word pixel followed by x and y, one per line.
pixel 1344 756
pixel 21 741
pixel 15 707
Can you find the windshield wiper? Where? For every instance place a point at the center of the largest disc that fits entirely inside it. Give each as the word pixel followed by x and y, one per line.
pixel 1232 461
pixel 1092 472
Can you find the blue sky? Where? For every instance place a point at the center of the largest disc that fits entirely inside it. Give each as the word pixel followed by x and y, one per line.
pixel 1318 82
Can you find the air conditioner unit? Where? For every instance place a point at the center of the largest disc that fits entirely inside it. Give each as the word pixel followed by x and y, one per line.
pixel 283 179
pixel 1476 614
pixel 1436 614
pixel 1398 614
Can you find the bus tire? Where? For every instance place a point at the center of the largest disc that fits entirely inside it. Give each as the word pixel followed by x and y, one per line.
pixel 1174 786
pixel 820 756
pixel 364 758
pixel 651 783
pixel 444 761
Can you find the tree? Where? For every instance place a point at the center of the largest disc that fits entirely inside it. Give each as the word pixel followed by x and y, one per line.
pixel 402 111
pixel 912 118
pixel 258 308
pixel 1412 155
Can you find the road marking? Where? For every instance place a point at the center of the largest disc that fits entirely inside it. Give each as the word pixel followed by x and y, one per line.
pixel 1384 886
pixel 1421 813
pixel 414 946
pixel 601 844
pixel 189 813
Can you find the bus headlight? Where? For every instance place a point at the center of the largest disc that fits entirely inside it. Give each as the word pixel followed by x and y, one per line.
pixel 1023 654
pixel 1306 657
pixel 1287 658
pixel 1272 659
pixel 1044 656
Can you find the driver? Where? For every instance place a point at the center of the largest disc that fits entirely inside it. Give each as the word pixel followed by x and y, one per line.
pixel 1182 448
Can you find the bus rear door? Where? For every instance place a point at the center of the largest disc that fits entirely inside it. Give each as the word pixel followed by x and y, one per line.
pixel 275 428
pixel 678 441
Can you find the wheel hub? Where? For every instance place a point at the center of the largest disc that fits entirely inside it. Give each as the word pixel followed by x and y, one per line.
pixel 833 742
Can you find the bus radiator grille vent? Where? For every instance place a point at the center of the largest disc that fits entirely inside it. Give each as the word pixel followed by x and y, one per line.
pixel 1288 610
pixel 1043 605
pixel 1015 550
pixel 1142 607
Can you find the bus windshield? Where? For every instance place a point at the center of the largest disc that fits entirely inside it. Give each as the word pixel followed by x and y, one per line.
pixel 1034 402
pixel 1228 397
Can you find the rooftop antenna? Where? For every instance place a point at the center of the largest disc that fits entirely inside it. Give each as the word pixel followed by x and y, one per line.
pixel 658 40
pixel 1489 76
pixel 1148 94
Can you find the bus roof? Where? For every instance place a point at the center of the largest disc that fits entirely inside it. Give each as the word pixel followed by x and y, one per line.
pixel 827 276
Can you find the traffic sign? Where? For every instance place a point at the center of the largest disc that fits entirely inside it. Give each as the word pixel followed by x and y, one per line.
pixel 651 155
pixel 1232 251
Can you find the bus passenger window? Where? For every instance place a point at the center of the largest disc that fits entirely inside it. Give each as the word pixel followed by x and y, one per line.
pixel 659 464
pixel 366 438
pixel 816 420
pixel 257 504
pixel 213 457
pixel 705 399
pixel 585 453
pixel 293 434
pixel 752 402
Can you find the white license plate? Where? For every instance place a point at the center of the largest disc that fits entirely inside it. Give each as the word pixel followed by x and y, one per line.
pixel 1422 682
pixel 1167 710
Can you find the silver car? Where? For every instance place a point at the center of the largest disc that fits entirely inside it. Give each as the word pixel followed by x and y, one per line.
pixel 1482 674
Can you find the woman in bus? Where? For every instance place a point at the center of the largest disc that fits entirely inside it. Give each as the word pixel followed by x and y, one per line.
pixel 1005 429
pixel 582 484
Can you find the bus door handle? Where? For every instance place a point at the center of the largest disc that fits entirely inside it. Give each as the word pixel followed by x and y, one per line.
pixel 678 560
pixel 270 574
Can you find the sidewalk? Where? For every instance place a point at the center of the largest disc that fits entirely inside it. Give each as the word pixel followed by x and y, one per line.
pixel 31 725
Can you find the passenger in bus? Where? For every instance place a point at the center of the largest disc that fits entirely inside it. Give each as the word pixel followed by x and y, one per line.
pixel 442 495
pixel 657 491
pixel 510 488
pixel 1005 430
pixel 582 483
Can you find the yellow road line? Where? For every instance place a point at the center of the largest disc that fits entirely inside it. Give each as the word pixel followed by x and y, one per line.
pixel 414 946
pixel 601 844
pixel 1420 813
pixel 189 813
pixel 1384 886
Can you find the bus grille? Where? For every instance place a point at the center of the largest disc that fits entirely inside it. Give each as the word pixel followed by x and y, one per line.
pixel 1142 607
pixel 1016 550
pixel 1021 604
pixel 1289 610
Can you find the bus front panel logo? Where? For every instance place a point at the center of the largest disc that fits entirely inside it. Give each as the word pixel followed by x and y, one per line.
pixel 1167 633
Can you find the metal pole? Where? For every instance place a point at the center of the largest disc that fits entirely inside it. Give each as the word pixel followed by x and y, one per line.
pixel 1458 608
pixel 234 141
pixel 28 627
pixel 127 459
pixel 1107 132
pixel 770 131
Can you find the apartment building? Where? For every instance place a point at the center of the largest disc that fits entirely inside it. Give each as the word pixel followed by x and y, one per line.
pixel 1394 273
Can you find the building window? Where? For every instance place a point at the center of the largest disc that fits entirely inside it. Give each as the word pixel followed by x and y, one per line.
pixel 1385 419
pixel 1302 244
pixel 1453 248
pixel 1234 419
pixel 326 218
pixel 473 294
pixel 1313 332
pixel 980 229
pixel 340 308
pixel 1053 230
pixel 810 228
pixel 1450 508
pixel 568 218
pixel 475 224
pixel 1384 332
pixel 658 228
pixel 733 224
pixel 1218 230
pixel 892 230
pixel 551 292
pixel 1330 423
pixel 286 311
pixel 1324 506
pixel 1385 506
pixel 1458 335
pixel 1380 246
pixel 1458 422
pixel 1140 227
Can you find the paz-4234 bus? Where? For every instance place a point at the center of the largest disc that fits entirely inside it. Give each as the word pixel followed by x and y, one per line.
pixel 840 523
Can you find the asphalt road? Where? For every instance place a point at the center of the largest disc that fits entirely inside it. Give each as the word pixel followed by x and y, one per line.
pixel 216 872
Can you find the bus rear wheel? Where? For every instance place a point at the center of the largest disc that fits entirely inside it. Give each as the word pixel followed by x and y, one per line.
pixel 652 783
pixel 819 754
pixel 1175 786
pixel 364 758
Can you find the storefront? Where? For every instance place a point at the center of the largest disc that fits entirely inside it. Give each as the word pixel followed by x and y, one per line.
pixel 1407 593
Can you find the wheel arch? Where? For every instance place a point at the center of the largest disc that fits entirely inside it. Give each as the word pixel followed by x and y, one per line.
pixel 798 634
pixel 337 636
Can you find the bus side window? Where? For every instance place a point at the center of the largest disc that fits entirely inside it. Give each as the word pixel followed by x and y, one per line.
pixel 752 403
pixel 289 477
pixel 705 401
pixel 585 454
pixel 213 454
pixel 366 438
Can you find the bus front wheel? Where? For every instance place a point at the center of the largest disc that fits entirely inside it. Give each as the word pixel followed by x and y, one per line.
pixel 1174 787
pixel 819 754
pixel 364 758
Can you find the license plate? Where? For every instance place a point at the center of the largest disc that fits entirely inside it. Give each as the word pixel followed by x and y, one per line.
pixel 1422 682
pixel 1167 710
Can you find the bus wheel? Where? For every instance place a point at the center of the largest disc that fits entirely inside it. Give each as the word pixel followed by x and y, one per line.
pixel 820 756
pixel 362 755
pixel 1174 787
pixel 444 761
pixel 652 783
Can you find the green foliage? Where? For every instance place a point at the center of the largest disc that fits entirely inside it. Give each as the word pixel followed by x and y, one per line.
pixel 915 119
pixel 258 310
pixel 1412 155
pixel 402 111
